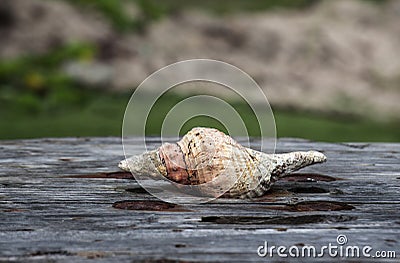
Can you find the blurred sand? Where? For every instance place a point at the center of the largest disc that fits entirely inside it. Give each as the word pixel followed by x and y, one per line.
pixel 339 57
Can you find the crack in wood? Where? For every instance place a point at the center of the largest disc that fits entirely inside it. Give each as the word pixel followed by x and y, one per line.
pixel 113 175
pixel 141 190
pixel 149 205
pixel 356 145
pixel 49 252
pixel 278 220
pixel 319 206
pixel 308 177
pixel 313 206
pixel 308 190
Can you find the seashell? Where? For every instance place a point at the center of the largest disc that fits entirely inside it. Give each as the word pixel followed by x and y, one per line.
pixel 206 154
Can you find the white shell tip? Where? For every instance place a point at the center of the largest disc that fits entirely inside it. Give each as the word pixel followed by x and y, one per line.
pixel 124 165
pixel 318 156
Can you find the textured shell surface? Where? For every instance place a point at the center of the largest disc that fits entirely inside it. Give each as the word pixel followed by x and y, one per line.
pixel 206 155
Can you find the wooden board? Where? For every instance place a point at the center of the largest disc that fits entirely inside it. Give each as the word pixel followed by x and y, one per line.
pixel 65 200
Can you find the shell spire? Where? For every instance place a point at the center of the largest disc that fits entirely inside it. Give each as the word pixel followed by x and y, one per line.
pixel 286 163
pixel 206 154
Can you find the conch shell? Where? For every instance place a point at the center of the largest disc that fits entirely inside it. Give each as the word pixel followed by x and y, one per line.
pixel 205 154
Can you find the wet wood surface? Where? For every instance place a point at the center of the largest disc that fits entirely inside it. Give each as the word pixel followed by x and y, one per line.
pixel 65 200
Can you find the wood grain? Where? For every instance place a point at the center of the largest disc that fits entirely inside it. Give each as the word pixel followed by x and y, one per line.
pixel 65 200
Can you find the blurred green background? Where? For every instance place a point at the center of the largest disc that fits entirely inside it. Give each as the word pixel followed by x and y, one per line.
pixel 39 98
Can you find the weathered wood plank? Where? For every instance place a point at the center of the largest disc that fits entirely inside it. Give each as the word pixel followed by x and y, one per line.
pixel 57 197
